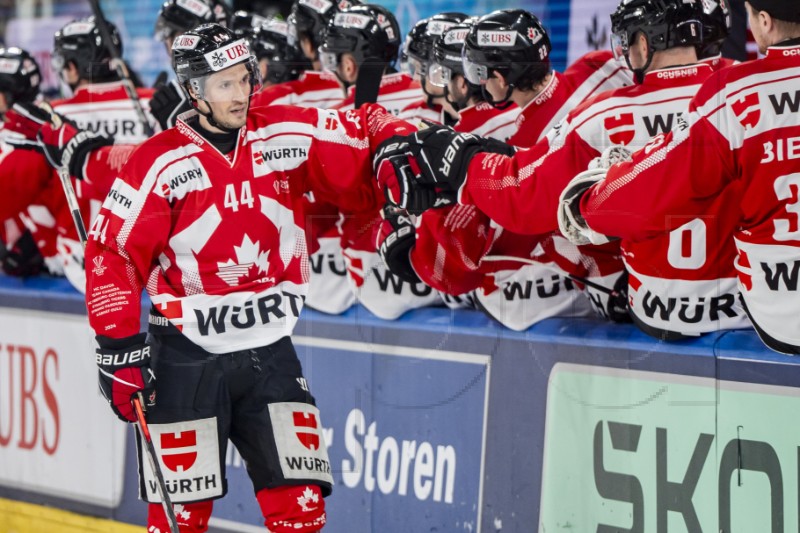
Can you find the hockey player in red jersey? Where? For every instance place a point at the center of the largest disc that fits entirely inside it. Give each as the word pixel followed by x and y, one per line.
pixel 416 59
pixel 475 114
pixel 459 247
pixel 314 88
pixel 716 28
pixel 99 105
pixel 740 141
pixel 208 218
pixel 366 38
pixel 521 192
pixel 22 177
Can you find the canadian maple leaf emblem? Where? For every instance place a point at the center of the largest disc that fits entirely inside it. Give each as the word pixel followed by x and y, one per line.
pixel 182 513
pixel 308 501
pixel 248 255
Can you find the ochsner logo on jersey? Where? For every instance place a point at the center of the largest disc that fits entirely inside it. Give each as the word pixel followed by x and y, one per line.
pixel 229 55
pixel 497 38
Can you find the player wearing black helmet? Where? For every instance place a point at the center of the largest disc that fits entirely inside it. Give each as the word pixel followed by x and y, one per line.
pixel 642 28
pixel 208 217
pixel 19 77
pixel 716 29
pixel 416 59
pixel 310 19
pixel 179 16
pixel 279 59
pixel 504 51
pixel 521 192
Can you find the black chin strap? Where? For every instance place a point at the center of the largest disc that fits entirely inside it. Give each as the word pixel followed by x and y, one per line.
pixel 210 117
pixel 458 104
pixel 638 73
pixel 505 103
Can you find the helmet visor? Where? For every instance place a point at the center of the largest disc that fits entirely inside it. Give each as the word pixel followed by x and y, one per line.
pixel 236 83
pixel 439 75
pixel 415 68
pixel 329 60
pixel 475 73
pixel 619 45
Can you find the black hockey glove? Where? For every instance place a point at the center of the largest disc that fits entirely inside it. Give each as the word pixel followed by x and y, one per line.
pixel 125 369
pixel 167 103
pixel 67 146
pixel 617 308
pixel 398 177
pixel 396 237
pixel 444 155
pixel 23 259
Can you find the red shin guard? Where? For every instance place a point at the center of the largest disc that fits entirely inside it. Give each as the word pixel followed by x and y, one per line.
pixel 292 509
pixel 192 517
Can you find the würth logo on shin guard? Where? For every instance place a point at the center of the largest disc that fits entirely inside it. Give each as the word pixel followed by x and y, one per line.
pixel 303 422
pixel 179 461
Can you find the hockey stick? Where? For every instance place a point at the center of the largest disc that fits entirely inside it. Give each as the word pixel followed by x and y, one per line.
pixel 368 81
pixel 144 432
pixel 119 65
pixel 66 183
pixel 588 283
pixel 150 452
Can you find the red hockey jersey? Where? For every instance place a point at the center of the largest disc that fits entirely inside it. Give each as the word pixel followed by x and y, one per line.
pixel 488 121
pixel 396 92
pixel 517 277
pixel 220 244
pixel 311 89
pixel 742 131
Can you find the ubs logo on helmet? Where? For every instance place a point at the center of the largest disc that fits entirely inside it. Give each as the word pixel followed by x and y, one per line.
pixel 497 38
pixel 229 55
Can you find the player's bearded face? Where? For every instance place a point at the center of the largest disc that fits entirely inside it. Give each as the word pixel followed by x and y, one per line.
pixel 228 94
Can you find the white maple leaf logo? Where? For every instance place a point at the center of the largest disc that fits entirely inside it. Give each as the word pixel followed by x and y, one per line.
pixel 308 497
pixel 181 512
pixel 248 255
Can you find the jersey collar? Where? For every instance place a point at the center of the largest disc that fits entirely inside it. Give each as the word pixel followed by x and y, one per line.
pixel 785 49
pixel 678 76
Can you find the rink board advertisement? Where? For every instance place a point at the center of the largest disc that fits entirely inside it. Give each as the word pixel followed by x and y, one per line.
pixel 667 450
pixel 443 421
pixel 405 433
pixel 54 426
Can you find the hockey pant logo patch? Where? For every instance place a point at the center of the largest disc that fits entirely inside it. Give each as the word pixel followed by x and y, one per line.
pixel 188 453
pixel 298 437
